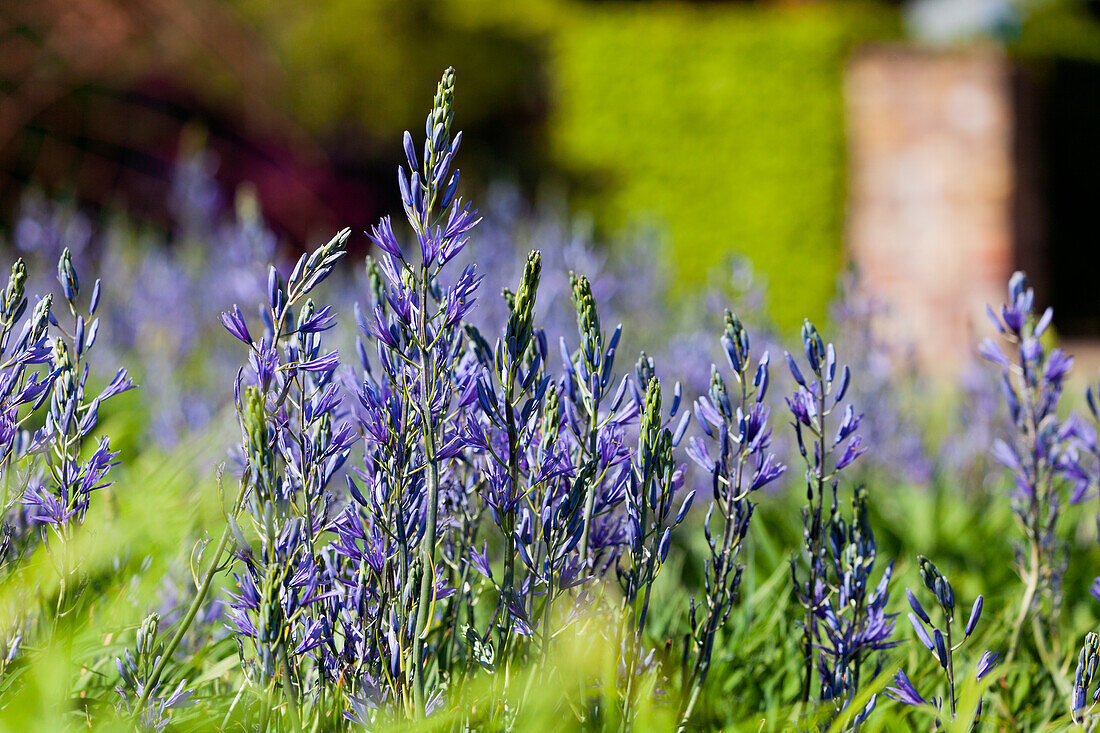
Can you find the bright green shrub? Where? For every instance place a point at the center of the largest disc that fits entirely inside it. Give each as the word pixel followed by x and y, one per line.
pixel 725 122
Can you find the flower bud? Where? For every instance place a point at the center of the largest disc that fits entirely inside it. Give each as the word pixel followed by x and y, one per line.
pixel 975 614
pixel 941 647
pixel 66 275
pixel 649 427
pixel 917 607
pixel 14 295
pixel 588 319
pixel 40 318
pixel 519 330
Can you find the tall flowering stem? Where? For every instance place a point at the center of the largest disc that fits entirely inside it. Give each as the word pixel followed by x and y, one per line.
pixel 737 428
pixel 826 451
pixel 516 342
pixel 418 329
pixel 20 385
pixel 654 481
pixel 72 414
pixel 594 376
pixel 290 451
pixel 49 479
pixel 596 427
pixel 152 680
pixel 1042 454
pixel 942 644
pixel 61 503
pixel 851 609
pixel 137 671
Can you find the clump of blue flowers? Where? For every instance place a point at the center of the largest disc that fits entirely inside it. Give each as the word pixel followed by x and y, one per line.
pixel 1042 454
pixel 942 643
pixel 738 429
pixel 844 617
pixel 447 521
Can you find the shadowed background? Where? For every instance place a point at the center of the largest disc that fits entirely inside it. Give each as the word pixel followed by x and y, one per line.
pixel 722 122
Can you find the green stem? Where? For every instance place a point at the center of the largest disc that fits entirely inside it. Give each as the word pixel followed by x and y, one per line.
pixel 1025 604
pixel 688 708
pixel 815 549
pixel 193 609
pixel 508 519
pixel 590 490
pixel 950 670
pixel 422 619
pixel 290 687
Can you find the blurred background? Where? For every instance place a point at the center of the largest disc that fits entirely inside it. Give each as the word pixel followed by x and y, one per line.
pixel 930 146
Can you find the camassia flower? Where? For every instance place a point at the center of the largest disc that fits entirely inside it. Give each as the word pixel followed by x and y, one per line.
pixel 293 444
pixel 737 427
pixel 411 408
pixel 827 449
pixel 44 382
pixel 942 645
pixel 501 483
pixel 1042 454
pixel 60 497
pixel 853 623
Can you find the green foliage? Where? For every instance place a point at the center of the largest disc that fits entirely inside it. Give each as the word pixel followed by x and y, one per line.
pixel 161 504
pixel 725 122
pixel 1059 29
pixel 721 123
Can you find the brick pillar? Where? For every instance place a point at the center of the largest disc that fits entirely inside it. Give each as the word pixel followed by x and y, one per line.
pixel 930 225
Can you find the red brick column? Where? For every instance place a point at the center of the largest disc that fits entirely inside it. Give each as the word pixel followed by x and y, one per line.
pixel 930 225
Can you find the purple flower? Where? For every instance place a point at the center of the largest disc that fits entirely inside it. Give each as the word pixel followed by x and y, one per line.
pixel 975 614
pixel 382 236
pixel 1042 452
pixel 903 690
pixel 234 323
pixel 320 321
pixel 264 359
pixel 922 633
pixel 325 363
pixel 916 606
pixel 986 664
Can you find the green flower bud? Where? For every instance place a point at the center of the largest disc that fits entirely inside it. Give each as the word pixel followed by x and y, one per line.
pixel 66 275
pixel 307 312
pixel 645 368
pixel 63 361
pixel 588 319
pixel 521 320
pixel 551 416
pixel 1089 660
pixel 377 284
pixel 813 345
pixel 649 427
pixel 147 634
pixel 62 401
pixel 40 318
pixel 260 455
pixel 928 572
pixel 269 619
pixel 736 340
pixel 14 295
pixel 443 105
pixel 665 462
pixel 719 395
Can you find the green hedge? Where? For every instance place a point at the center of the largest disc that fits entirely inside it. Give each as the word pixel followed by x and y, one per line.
pixel 725 122
pixel 1061 29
